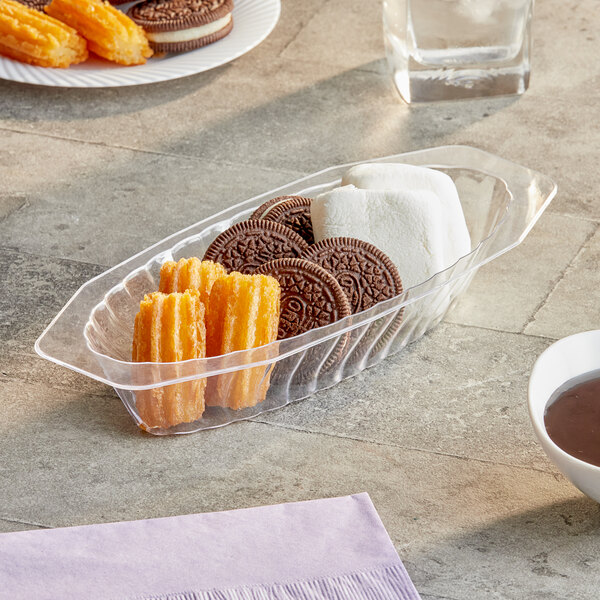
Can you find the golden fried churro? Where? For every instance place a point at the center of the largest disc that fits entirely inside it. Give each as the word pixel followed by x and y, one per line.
pixel 110 33
pixel 30 36
pixel 242 313
pixel 169 328
pixel 190 274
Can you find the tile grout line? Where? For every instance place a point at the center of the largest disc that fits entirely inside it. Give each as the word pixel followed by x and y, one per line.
pixel 24 204
pixel 491 329
pixel 91 143
pixel 108 395
pixel 302 28
pixel 308 62
pixel 560 277
pixel 23 522
pixel 45 256
pixel 408 448
pixel 155 152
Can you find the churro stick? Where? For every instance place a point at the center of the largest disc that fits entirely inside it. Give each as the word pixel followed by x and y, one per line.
pixel 29 36
pixel 109 32
pixel 169 328
pixel 190 274
pixel 242 313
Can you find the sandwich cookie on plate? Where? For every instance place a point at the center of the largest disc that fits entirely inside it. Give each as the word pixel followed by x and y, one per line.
pixel 181 25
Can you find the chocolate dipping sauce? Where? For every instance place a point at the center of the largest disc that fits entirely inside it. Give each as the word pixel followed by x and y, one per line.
pixel 573 419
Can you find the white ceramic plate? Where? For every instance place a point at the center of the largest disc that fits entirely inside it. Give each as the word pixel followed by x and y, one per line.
pixel 253 21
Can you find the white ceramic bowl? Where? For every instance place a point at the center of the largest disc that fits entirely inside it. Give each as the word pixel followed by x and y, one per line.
pixel 571 357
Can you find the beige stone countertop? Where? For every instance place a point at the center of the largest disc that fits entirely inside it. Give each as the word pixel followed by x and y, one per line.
pixel 439 434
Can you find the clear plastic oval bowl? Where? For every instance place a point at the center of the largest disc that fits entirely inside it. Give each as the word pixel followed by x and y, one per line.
pixel 93 333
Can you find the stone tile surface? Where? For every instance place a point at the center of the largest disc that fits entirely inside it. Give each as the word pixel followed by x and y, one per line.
pixel 460 391
pixel 574 304
pixel 358 42
pixel 506 293
pixel 291 118
pixel 290 83
pixel 442 512
pixel 168 108
pixel 24 365
pixel 35 289
pixel 294 18
pixel 439 434
pixel 102 204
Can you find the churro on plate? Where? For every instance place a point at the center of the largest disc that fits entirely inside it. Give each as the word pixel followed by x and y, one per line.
pixel 29 36
pixel 110 33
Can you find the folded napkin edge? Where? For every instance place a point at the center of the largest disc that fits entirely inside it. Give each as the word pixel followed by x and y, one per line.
pixel 387 582
pixel 360 496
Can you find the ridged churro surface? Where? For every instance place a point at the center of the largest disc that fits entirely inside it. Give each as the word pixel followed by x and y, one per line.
pixel 29 36
pixel 170 328
pixel 109 32
pixel 190 273
pixel 242 313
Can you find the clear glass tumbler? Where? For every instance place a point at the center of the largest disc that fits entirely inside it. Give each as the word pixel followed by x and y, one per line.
pixel 451 49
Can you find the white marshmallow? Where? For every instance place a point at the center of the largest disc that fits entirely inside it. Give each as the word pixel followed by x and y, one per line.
pixel 403 224
pixel 398 176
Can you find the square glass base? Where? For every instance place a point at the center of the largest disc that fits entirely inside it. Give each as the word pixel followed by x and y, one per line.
pixel 428 68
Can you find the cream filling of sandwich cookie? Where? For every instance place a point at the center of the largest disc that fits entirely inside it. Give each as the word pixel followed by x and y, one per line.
pixel 185 35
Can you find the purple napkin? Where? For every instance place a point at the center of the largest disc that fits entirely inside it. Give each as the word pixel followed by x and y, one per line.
pixel 335 548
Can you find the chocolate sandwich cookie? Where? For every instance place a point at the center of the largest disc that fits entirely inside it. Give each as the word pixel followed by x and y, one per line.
pixel 366 274
pixel 291 211
pixel 262 210
pixel 310 296
pixel 249 244
pixel 181 25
